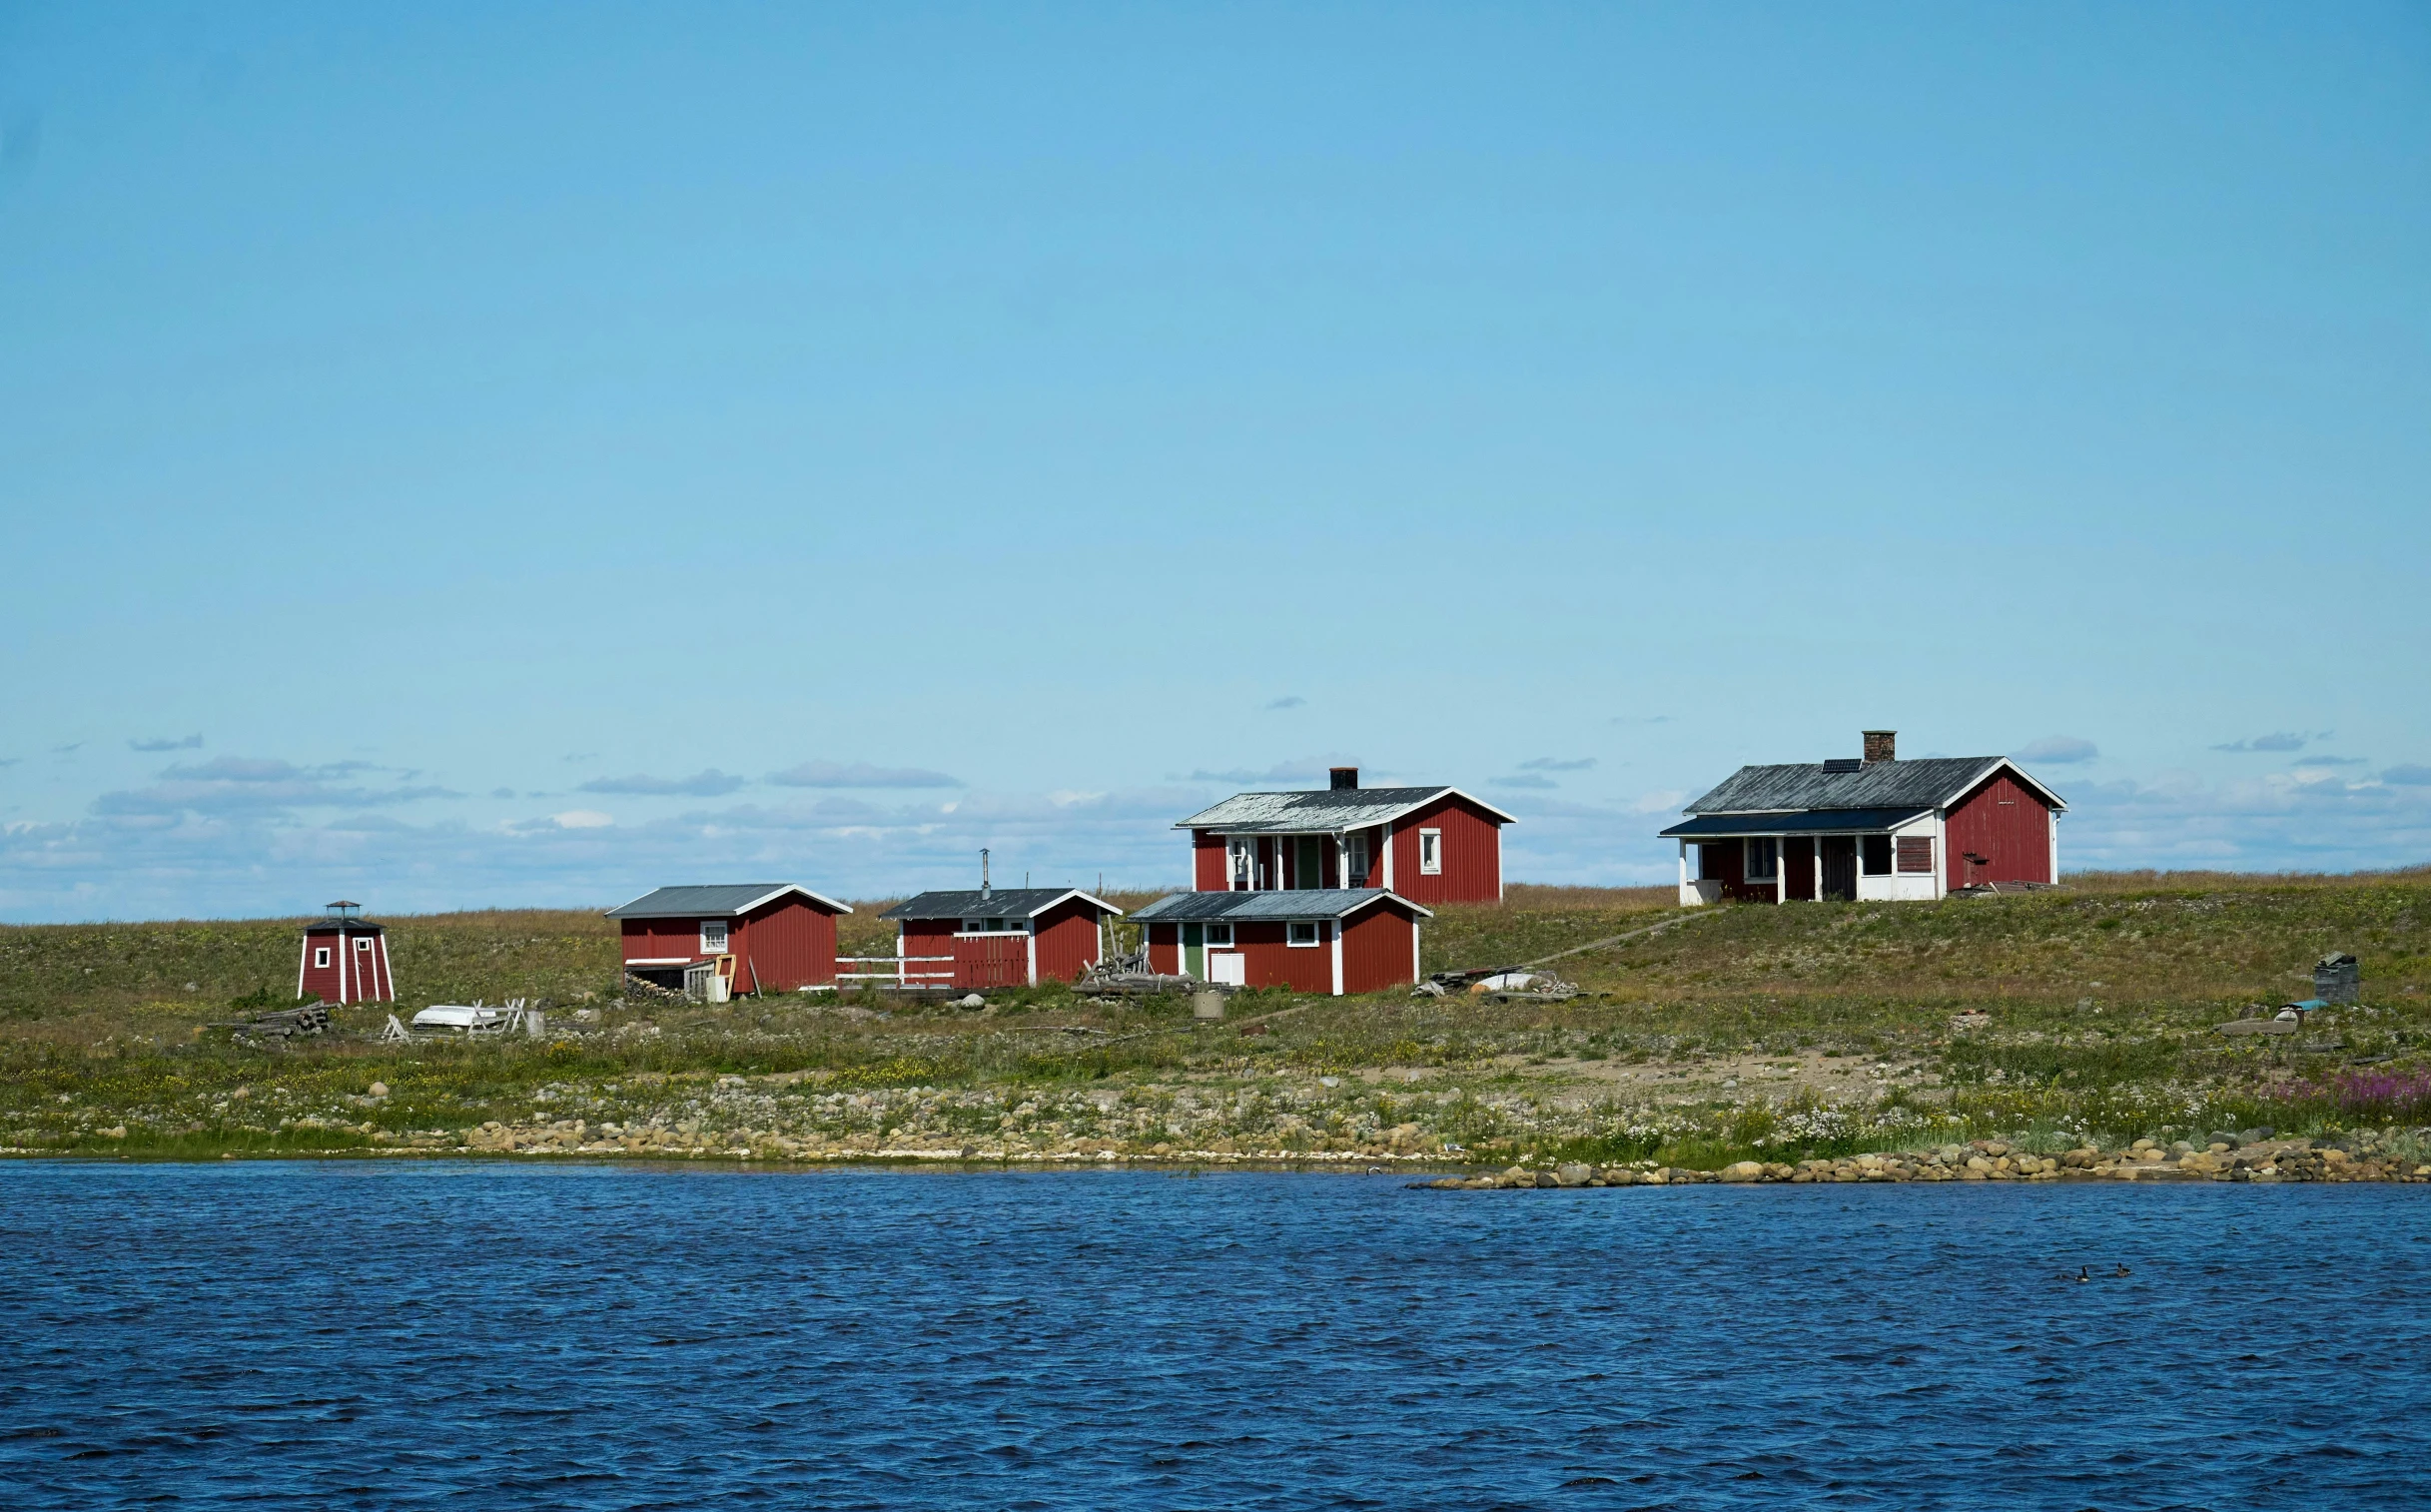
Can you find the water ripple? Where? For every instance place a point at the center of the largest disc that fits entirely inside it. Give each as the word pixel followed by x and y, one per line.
pixel 339 1335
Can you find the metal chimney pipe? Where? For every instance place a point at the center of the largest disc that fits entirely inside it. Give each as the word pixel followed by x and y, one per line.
pixel 983 873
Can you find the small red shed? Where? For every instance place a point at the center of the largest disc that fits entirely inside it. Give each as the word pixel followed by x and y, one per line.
pixel 999 936
pixel 1424 845
pixel 344 958
pixel 1328 942
pixel 783 936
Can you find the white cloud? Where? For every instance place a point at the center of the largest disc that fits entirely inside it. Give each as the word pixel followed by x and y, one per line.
pixel 2059 750
pixel 860 774
pixel 583 819
pixel 711 783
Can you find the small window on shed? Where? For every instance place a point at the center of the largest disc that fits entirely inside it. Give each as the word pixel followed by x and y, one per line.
pixel 1876 851
pixel 320 957
pixel 362 942
pixel 1430 852
pixel 1221 935
pixel 973 925
pixel 1303 931
pixel 713 937
pixel 1916 853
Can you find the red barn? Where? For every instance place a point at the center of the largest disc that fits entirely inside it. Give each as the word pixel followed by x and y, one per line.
pixel 782 937
pixel 1425 845
pixel 999 936
pixel 346 959
pixel 1869 828
pixel 1359 939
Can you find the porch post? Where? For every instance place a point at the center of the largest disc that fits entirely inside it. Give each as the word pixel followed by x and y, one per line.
pixel 1780 868
pixel 1684 872
pixel 1815 878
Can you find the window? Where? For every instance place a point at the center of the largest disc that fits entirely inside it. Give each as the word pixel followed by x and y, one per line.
pixel 321 959
pixel 713 937
pixel 1430 852
pixel 1221 935
pixel 972 926
pixel 362 942
pixel 1763 860
pixel 1303 931
pixel 1916 853
pixel 1356 874
pixel 1875 852
pixel 1241 866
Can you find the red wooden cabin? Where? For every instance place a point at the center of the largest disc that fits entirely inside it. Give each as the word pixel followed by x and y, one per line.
pixel 344 958
pixel 999 936
pixel 1869 828
pixel 1426 845
pixel 783 936
pixel 1326 942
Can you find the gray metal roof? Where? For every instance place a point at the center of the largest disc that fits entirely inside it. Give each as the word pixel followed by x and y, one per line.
pixel 1002 903
pixel 1804 822
pixel 722 900
pixel 1926 783
pixel 1323 811
pixel 1294 902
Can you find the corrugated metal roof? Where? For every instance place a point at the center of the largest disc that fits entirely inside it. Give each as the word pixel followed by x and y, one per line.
pixel 1323 811
pixel 723 899
pixel 1807 822
pixel 1299 903
pixel 1002 903
pixel 1926 783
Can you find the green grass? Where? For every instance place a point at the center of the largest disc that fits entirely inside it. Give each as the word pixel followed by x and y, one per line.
pixel 2098 1002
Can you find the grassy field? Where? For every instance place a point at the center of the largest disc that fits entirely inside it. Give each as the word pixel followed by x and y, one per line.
pixel 2084 1014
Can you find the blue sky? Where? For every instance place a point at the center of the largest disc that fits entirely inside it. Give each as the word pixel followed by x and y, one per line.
pixel 462 456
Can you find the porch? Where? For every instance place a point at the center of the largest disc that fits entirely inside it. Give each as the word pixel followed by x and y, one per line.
pixel 1300 861
pixel 1842 855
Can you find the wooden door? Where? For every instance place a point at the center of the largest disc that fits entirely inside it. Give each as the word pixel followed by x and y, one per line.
pixel 1195 951
pixel 1839 867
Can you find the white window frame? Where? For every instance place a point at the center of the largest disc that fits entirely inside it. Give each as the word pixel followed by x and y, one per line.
pixel 362 942
pixel 1430 853
pixel 1356 860
pixel 320 957
pixel 1769 842
pixel 1241 862
pixel 1317 934
pixel 1219 937
pixel 723 938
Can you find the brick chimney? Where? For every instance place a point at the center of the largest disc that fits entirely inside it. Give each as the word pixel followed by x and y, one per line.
pixel 1882 745
pixel 1344 778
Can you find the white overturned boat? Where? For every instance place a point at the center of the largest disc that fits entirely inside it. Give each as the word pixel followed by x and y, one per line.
pixel 478 1018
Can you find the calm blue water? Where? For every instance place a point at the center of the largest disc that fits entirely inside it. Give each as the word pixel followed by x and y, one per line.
pixel 314 1335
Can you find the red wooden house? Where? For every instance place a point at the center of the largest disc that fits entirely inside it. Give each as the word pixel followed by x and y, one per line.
pixel 1426 845
pixel 999 936
pixel 1328 941
pixel 344 958
pixel 781 937
pixel 1869 828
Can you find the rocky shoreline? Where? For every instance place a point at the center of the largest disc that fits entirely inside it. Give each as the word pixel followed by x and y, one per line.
pixel 1994 1160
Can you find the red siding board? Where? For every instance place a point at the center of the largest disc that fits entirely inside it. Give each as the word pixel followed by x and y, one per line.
pixel 2005 823
pixel 1379 949
pixel 1207 862
pixel 1067 940
pixel 1471 855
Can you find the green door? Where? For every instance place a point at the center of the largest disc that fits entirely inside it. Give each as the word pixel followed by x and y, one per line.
pixel 1310 868
pixel 1195 951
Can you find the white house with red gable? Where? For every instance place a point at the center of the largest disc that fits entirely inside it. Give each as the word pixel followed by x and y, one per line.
pixel 1869 828
pixel 1426 845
